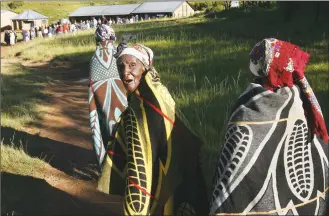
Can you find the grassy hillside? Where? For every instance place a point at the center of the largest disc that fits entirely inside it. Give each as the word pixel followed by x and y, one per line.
pixel 203 62
pixel 56 10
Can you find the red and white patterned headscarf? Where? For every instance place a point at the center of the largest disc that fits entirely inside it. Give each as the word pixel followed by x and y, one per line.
pixel 281 64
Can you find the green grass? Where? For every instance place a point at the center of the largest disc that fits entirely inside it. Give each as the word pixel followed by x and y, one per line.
pixel 15 160
pixel 56 10
pixel 21 91
pixel 204 62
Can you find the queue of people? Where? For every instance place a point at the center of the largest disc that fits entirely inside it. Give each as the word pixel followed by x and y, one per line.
pixel 47 31
pixel 59 28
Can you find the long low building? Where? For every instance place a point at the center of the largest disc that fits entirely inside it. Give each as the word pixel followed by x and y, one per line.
pixel 146 10
pixel 168 8
pixel 108 11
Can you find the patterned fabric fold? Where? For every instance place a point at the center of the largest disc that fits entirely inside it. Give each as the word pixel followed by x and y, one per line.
pixel 107 96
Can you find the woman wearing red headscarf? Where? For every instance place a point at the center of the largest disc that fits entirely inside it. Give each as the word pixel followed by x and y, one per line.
pixel 274 159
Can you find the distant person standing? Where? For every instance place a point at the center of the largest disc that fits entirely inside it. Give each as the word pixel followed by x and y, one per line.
pixel 54 28
pixel 65 28
pixel 72 28
pixel 36 31
pixel 15 34
pixel 103 30
pixel 12 38
pixel 58 29
pixel 40 32
pixel 7 36
pixel 25 35
pixel 32 33
pixel 95 22
pixel 45 32
pixel 50 31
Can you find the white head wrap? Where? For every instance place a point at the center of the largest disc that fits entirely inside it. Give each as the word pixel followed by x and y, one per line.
pixel 141 52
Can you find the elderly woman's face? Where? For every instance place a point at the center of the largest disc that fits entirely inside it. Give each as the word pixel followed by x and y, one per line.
pixel 130 71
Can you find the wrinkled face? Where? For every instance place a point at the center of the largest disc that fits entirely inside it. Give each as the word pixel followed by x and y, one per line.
pixel 130 71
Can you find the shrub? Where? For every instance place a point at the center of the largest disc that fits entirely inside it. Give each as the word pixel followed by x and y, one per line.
pixel 15 4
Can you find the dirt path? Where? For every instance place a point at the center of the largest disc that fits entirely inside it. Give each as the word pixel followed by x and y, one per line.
pixel 63 134
pixel 66 116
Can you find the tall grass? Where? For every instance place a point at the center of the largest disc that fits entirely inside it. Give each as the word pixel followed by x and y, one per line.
pixel 15 160
pixel 204 62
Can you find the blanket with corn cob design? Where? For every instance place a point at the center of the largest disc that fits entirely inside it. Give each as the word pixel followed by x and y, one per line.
pixel 270 162
pixel 154 160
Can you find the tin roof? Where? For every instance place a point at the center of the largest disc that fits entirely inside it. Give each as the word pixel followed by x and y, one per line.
pixel 158 7
pixel 29 15
pixel 104 10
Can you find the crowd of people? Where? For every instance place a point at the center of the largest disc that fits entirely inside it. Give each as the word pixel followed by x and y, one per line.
pixel 61 28
pixel 55 29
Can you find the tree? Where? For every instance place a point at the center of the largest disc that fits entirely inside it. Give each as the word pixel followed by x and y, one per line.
pixel 227 5
pixel 215 3
pixel 243 3
pixel 15 4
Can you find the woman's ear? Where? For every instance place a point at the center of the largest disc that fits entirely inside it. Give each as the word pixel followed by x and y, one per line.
pixel 144 69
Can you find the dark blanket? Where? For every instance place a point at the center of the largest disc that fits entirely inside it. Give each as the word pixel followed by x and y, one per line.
pixel 270 162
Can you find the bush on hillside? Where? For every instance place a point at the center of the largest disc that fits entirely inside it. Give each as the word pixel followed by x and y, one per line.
pixel 15 4
pixel 200 6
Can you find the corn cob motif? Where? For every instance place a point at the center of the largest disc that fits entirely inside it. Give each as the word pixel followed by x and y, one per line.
pixel 137 194
pixel 298 162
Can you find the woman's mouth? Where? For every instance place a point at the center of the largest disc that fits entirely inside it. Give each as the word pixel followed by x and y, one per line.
pixel 128 81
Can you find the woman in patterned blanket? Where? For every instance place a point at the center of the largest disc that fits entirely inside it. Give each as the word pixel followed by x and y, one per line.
pixel 275 157
pixel 154 160
pixel 107 95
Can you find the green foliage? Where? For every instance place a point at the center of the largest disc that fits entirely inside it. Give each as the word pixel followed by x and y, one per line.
pixel 207 6
pixel 14 5
pixel 258 4
pixel 203 5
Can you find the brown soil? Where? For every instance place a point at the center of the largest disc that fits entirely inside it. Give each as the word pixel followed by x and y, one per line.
pixel 63 137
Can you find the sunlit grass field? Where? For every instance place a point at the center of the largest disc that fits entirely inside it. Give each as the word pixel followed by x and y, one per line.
pixel 56 10
pixel 203 62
